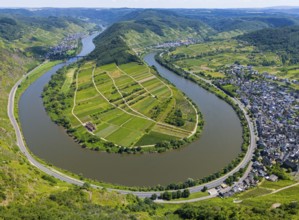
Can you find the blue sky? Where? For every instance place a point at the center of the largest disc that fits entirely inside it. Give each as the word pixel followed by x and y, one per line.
pixel 150 3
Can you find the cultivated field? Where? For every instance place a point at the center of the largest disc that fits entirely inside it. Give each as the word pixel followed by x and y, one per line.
pixel 129 105
pixel 208 58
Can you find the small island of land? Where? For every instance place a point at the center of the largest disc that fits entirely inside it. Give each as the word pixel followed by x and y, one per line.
pixel 120 108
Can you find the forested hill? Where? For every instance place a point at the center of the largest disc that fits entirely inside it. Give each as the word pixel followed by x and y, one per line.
pixel 112 48
pixel 284 41
pixel 22 41
pixel 247 24
pixel 14 27
pixel 158 20
pixel 142 28
pixel 33 36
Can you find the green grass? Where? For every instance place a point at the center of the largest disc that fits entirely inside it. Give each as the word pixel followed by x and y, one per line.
pixel 254 193
pixel 124 136
pixel 252 201
pixel 68 81
pixel 276 185
pixel 170 131
pixel 106 130
pixel 138 124
pixel 35 74
pixel 193 196
pixel 230 89
pixel 122 119
pixel 154 137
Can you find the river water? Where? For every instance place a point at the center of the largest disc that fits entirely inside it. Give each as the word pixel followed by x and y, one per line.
pixel 220 141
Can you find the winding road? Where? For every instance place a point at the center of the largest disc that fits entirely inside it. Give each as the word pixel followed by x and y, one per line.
pixel 61 176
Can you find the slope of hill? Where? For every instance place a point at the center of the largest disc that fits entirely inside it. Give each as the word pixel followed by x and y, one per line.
pixel 14 27
pixel 120 42
pixel 16 39
pixel 233 22
pixel 283 41
pixel 112 48
pixel 249 23
pixel 18 35
pixel 25 192
pixel 33 36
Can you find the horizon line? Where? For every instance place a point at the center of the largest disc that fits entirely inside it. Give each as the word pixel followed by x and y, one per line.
pixel 284 7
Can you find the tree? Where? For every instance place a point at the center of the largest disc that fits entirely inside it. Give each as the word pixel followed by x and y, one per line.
pixel 174 195
pixel 190 182
pixel 86 185
pixel 166 195
pixel 186 193
pixel 179 194
pixel 154 196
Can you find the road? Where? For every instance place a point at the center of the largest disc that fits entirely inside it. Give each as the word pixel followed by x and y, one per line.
pixel 252 145
pixel 246 160
pixel 61 176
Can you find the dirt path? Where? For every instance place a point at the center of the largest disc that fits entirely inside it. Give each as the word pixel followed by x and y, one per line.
pixel 286 187
pixel 74 101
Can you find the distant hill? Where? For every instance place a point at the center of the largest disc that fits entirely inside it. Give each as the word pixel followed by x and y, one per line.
pixel 232 22
pixel 13 27
pixel 112 48
pixel 23 40
pixel 157 20
pixel 10 29
pixel 248 23
pixel 144 28
pixel 33 36
pixel 284 41
pixel 101 15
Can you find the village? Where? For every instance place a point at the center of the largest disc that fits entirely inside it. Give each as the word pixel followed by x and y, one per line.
pixel 176 43
pixel 275 110
pixel 67 44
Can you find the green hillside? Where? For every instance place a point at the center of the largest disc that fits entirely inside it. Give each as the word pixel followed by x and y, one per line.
pixel 112 48
pixel 283 41
pixel 120 42
pixel 230 23
pixel 33 36
pixel 27 193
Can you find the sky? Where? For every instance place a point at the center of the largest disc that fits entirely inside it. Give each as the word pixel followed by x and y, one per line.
pixel 149 3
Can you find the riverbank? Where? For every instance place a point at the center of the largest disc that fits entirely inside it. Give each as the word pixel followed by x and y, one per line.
pixel 249 137
pixel 197 154
pixel 122 191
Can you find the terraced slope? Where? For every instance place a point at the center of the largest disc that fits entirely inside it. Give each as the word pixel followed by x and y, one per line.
pixel 128 105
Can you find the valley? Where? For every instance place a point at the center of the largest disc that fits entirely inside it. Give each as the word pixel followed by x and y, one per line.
pixel 128 125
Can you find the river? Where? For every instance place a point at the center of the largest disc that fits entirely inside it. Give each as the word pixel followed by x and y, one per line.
pixel 220 140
